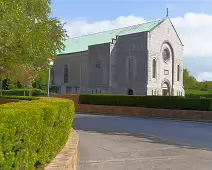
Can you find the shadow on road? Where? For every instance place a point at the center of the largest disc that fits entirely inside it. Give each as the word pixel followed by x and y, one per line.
pixel 190 135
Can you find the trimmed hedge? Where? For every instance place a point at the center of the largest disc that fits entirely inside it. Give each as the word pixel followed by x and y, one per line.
pixel 29 98
pixel 162 102
pixel 198 94
pixel 20 92
pixel 32 133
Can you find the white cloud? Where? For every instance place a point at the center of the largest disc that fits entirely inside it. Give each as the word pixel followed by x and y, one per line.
pixel 204 76
pixel 81 27
pixel 195 30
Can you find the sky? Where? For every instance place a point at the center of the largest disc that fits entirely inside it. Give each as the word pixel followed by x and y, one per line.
pixel 191 18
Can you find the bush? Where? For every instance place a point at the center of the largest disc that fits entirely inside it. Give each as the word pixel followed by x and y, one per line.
pixel 32 133
pixel 163 102
pixel 20 92
pixel 198 94
pixel 29 98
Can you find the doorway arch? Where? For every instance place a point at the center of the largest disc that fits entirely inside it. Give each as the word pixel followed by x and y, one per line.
pixel 170 47
pixel 130 92
pixel 166 90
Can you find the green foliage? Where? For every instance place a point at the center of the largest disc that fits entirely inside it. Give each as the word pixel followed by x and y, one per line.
pixel 190 83
pixel 28 37
pixel 29 98
pixel 20 92
pixel 163 102
pixel 198 94
pixel 32 133
pixel 40 84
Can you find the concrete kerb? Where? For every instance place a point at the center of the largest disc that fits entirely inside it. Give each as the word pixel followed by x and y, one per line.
pixel 67 158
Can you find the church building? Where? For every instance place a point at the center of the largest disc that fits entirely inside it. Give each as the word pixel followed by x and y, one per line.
pixel 144 59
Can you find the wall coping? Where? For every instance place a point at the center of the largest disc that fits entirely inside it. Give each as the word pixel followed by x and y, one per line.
pixel 67 158
pixel 145 112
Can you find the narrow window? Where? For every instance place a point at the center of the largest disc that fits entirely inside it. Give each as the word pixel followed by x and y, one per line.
pixel 65 74
pixel 154 68
pixel 130 69
pixel 178 72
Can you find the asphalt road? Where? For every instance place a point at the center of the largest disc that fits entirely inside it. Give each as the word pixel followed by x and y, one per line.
pixel 127 143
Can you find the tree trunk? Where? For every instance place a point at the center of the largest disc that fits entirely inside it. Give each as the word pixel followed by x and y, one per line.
pixel 30 94
pixel 24 89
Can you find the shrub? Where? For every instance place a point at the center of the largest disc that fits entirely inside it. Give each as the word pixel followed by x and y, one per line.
pixel 29 98
pixel 32 133
pixel 20 92
pixel 198 94
pixel 163 102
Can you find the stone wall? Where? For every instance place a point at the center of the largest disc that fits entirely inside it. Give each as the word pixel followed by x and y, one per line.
pixel 158 39
pixel 77 64
pixel 129 64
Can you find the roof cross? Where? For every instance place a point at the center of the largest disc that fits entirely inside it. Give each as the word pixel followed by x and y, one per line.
pixel 167 12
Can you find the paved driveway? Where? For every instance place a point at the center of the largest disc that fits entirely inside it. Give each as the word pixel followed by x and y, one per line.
pixel 126 143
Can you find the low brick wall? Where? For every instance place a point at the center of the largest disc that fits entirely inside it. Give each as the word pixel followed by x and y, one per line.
pixel 4 101
pixel 138 111
pixel 74 97
pixel 67 158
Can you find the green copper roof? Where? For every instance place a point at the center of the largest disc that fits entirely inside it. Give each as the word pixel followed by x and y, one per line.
pixel 78 44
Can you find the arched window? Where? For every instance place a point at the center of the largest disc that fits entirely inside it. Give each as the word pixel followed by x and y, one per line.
pixel 178 72
pixel 65 74
pixel 166 54
pixel 154 68
pixel 131 68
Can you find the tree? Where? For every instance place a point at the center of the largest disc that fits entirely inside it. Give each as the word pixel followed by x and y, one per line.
pixel 28 35
pixel 190 82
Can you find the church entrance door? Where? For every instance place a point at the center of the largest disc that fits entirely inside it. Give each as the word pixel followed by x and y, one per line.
pixel 165 92
pixel 165 89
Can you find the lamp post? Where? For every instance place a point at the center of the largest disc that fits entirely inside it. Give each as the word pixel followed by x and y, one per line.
pixel 49 76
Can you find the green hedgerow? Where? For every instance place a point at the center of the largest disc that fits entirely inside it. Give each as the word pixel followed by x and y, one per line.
pixel 20 92
pixel 32 133
pixel 162 102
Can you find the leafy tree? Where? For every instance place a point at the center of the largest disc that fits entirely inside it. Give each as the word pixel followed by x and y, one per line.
pixel 28 36
pixel 190 82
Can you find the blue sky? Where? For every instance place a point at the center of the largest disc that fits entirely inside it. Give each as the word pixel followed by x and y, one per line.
pixel 97 10
pixel 191 18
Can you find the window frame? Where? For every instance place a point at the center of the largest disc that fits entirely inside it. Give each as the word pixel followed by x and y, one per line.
pixel 154 68
pixel 178 72
pixel 65 74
